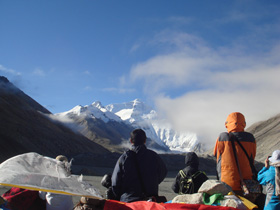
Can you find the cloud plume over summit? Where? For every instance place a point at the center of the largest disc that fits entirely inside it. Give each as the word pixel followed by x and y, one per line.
pixel 211 83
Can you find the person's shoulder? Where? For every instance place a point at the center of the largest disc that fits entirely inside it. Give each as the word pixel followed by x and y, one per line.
pixel 223 136
pixel 248 134
pixel 152 155
pixel 129 153
pixel 125 154
pixel 245 136
pixel 152 152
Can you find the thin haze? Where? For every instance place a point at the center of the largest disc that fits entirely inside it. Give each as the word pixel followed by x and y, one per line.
pixel 195 61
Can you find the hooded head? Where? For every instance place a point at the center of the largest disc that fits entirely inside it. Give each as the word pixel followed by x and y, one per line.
pixel 192 160
pixel 235 122
pixel 64 164
pixel 275 158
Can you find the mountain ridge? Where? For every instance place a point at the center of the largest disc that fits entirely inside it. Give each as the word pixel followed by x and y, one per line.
pixel 26 128
pixel 97 118
pixel 137 114
pixel 267 135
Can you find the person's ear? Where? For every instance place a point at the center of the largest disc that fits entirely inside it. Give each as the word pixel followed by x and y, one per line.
pixel 145 141
pixel 130 141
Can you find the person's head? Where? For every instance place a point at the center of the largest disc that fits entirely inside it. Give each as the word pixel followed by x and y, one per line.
pixel 235 122
pixel 191 159
pixel 275 158
pixel 63 162
pixel 138 137
pixel 62 158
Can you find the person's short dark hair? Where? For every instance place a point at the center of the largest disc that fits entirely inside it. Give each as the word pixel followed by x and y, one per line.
pixel 138 137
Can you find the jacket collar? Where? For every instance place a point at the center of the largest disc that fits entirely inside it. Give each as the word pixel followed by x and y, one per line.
pixel 138 148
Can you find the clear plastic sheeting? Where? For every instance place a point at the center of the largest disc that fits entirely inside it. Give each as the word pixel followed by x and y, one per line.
pixel 36 172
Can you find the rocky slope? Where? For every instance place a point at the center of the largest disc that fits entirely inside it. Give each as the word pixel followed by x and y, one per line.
pixel 25 128
pixel 267 134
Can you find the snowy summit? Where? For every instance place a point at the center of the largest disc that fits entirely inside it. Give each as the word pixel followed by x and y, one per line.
pixel 139 115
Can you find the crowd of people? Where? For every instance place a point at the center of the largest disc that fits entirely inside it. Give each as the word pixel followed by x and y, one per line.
pixel 139 171
pixel 235 151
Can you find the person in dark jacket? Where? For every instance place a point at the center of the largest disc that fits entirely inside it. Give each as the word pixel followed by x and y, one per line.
pixel 136 166
pixel 192 163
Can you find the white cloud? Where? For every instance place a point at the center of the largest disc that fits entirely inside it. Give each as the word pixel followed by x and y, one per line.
pixel 39 72
pixel 87 73
pixel 180 20
pixel 122 86
pixel 88 88
pixel 135 47
pixel 119 90
pixel 214 82
pixel 70 123
pixel 5 70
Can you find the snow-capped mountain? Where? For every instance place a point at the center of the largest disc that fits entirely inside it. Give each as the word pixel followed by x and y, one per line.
pixel 141 115
pixel 138 114
pixel 95 110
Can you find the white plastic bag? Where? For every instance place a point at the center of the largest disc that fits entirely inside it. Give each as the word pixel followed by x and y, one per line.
pixel 36 172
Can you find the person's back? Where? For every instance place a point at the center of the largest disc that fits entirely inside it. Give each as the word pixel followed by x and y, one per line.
pixel 192 172
pixel 135 165
pixel 269 176
pixel 226 165
pixel 21 199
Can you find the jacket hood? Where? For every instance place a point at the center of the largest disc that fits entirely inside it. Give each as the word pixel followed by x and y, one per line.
pixel 192 160
pixel 235 122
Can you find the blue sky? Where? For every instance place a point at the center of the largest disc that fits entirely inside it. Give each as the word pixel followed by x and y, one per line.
pixel 195 61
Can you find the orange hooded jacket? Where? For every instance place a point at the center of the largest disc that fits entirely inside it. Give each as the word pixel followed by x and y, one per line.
pixel 223 151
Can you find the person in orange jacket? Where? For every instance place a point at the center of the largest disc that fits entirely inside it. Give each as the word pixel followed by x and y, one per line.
pixel 227 170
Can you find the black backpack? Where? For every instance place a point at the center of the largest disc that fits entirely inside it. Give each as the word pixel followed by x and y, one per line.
pixel 188 184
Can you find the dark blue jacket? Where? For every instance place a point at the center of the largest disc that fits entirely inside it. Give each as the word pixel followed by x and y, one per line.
pixel 125 180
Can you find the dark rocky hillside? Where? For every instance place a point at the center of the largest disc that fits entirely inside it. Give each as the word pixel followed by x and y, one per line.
pixel 267 134
pixel 25 128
